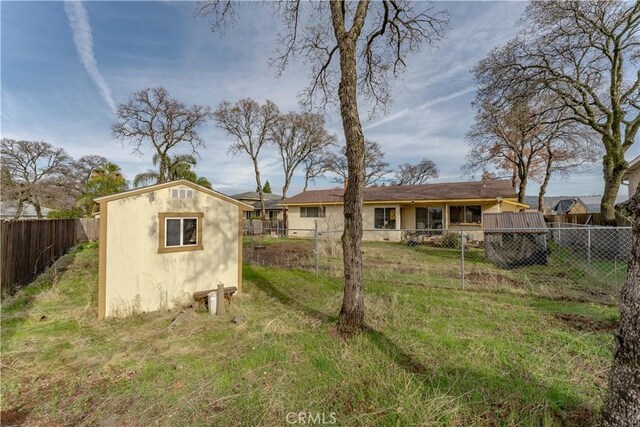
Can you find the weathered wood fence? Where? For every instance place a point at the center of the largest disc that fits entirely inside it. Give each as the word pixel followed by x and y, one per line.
pixel 29 246
pixel 585 219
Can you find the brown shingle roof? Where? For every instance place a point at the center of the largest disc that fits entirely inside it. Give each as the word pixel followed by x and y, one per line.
pixel 407 193
pixel 514 221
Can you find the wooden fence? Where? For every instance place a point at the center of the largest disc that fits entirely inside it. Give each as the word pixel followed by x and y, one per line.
pixel 585 219
pixel 29 246
pixel 258 227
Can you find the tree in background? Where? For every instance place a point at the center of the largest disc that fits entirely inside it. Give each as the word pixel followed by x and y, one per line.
pixel 622 402
pixel 267 188
pixel 353 49
pixel 104 180
pixel 250 124
pixel 178 167
pixel 375 165
pixel 585 54
pixel 299 138
pixel 152 117
pixel 416 174
pixel 315 166
pixel 33 172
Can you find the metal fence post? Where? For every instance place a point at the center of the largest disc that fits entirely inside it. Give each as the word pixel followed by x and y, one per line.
pixel 462 257
pixel 589 249
pixel 315 246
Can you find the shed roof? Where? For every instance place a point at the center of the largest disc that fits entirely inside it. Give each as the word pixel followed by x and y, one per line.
pixel 528 221
pixel 473 190
pixel 143 190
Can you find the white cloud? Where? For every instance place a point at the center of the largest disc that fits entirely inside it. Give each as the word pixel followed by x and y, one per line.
pixel 79 23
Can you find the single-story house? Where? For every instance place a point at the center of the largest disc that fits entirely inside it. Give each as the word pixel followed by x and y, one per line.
pixel 388 210
pixel 8 210
pixel 632 176
pixel 271 205
pixel 161 244
pixel 569 206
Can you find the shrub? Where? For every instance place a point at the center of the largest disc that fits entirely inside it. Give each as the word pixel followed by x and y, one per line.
pixel 451 240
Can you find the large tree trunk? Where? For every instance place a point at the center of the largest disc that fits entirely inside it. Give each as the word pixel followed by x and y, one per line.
pixel 352 311
pixel 263 211
pixel 614 167
pixel 36 205
pixel 622 404
pixel 545 183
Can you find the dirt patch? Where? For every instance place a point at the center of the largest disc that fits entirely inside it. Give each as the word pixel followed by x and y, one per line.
pixel 288 255
pixel 586 324
pixel 12 417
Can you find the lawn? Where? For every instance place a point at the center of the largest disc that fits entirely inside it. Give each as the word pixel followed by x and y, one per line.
pixel 431 354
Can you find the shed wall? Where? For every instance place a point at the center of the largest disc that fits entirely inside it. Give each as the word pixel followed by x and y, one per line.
pixel 139 279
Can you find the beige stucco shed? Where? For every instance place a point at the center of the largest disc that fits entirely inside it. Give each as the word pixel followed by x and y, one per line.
pixel 161 244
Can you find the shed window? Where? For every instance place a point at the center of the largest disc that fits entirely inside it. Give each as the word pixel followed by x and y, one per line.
pixel 180 231
pixel 312 212
pixel 471 214
pixel 385 218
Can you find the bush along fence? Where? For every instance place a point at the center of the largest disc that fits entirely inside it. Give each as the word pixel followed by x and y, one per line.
pixel 29 246
pixel 590 260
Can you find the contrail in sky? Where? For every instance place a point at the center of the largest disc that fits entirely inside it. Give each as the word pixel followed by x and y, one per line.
pixel 79 23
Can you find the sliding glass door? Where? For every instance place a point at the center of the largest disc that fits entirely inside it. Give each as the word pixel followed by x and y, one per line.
pixel 428 218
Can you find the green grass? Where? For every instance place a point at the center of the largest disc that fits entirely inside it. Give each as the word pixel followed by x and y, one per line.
pixel 430 354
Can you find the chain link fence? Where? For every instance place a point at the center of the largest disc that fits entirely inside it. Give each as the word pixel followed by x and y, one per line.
pixel 563 261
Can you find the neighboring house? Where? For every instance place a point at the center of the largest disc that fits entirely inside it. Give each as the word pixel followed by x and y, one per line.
pixel 161 244
pixel 569 206
pixel 387 210
pixel 8 211
pixel 632 176
pixel 275 212
pixel 592 203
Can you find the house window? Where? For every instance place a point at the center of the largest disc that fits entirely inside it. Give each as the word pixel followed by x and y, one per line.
pixel 428 218
pixel 180 231
pixel 313 212
pixel 471 214
pixel 385 218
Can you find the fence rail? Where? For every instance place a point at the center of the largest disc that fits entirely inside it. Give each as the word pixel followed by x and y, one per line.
pixel 29 246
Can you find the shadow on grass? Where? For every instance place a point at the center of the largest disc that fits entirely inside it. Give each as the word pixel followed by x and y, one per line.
pixel 490 396
pixel 265 285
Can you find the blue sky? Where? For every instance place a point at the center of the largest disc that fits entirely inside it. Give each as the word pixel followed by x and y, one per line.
pixel 51 92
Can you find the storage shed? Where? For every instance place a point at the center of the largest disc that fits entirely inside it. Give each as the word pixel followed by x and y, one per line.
pixel 515 239
pixel 159 245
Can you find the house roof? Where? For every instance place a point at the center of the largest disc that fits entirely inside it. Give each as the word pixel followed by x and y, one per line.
pixel 514 221
pixel 271 201
pixel 633 165
pixel 8 210
pixel 564 206
pixel 143 190
pixel 255 196
pixel 474 190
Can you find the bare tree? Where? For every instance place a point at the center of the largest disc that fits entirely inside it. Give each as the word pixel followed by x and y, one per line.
pixel 505 138
pixel 622 403
pixel 375 165
pixel 352 48
pixel 315 166
pixel 567 147
pixel 251 125
pixel 579 51
pixel 33 172
pixel 416 174
pixel 152 117
pixel 299 137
